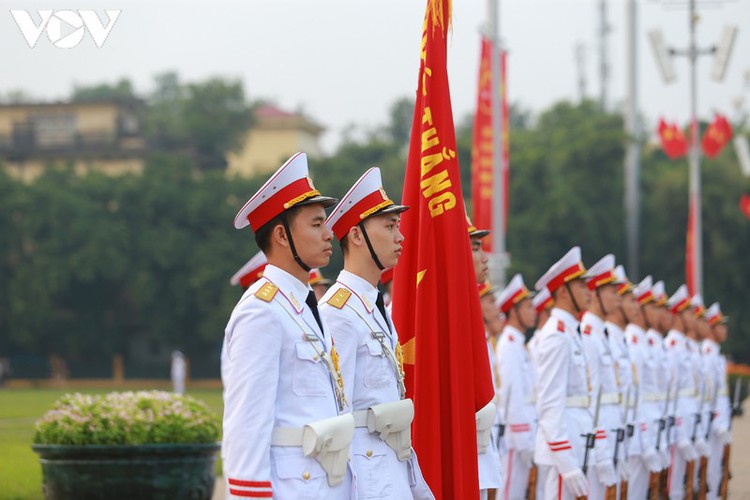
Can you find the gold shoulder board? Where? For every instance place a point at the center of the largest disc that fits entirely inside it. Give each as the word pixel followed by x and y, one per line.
pixel 267 292
pixel 339 298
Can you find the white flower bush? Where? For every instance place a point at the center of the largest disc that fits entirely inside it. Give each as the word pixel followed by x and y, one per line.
pixel 127 418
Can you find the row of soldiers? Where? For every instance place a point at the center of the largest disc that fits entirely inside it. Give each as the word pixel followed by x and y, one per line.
pixel 314 392
pixel 621 392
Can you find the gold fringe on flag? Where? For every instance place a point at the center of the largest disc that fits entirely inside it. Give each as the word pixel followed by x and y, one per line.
pixel 440 12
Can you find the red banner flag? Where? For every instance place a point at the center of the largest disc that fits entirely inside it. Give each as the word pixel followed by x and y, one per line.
pixel 436 305
pixel 745 205
pixel 717 135
pixel 482 148
pixel 690 248
pixel 673 141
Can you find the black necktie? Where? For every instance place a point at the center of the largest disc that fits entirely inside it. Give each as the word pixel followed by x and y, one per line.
pixel 312 303
pixel 380 304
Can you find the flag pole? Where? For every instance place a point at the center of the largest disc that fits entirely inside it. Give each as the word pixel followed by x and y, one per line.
pixel 498 259
pixel 695 168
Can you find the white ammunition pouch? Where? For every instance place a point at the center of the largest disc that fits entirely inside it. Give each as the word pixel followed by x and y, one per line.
pixel 485 419
pixel 327 441
pixel 392 422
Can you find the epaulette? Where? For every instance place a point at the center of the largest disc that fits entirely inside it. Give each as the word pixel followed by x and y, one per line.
pixel 560 326
pixel 338 300
pixel 267 292
pixel 587 330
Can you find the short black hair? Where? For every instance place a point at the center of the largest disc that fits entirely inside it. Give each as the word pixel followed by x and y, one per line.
pixel 344 244
pixel 263 235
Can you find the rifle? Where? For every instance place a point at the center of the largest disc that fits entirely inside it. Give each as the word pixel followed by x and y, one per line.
pixel 621 434
pixel 690 466
pixel 726 474
pixel 591 437
pixel 703 470
pixel 655 478
pixel 531 488
pixel 670 424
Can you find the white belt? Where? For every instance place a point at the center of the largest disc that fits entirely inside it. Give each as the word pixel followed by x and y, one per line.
pixel 655 396
pixel 578 402
pixel 360 418
pixel 723 392
pixel 530 400
pixel 287 436
pixel 611 398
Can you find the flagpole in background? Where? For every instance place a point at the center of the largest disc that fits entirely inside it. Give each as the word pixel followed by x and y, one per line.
pixel 498 258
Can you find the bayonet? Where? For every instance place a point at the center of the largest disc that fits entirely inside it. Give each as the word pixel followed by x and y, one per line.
pixel 591 437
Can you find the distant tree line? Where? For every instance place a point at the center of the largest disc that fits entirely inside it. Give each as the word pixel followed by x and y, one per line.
pixel 139 265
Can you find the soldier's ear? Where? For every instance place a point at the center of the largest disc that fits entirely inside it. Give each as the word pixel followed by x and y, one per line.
pixel 279 236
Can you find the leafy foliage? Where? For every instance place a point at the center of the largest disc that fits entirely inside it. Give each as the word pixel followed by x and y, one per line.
pixel 128 418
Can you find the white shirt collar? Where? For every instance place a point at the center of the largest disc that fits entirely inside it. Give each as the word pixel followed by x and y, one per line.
pixel 571 323
pixel 292 288
pixel 367 293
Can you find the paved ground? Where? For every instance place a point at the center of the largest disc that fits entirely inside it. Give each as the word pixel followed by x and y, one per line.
pixel 739 486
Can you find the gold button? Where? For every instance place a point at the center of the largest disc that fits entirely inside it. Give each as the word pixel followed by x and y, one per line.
pixel 369 453
pixel 306 476
pixel 315 358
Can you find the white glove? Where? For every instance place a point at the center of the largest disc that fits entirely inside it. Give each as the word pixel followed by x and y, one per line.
pixel 576 483
pixel 624 475
pixel 606 472
pixel 724 436
pixel 652 460
pixel 687 451
pixel 666 459
pixel 701 447
pixel 526 456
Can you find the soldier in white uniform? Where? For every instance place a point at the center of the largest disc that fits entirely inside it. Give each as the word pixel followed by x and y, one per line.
pixel 284 436
pixel 366 223
pixel 702 390
pixel 683 387
pixel 658 327
pixel 517 402
pixel 563 388
pixel 647 403
pixel 603 286
pixel 488 456
pixel 718 432
pixel 542 303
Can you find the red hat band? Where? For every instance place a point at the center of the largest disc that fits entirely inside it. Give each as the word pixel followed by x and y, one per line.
pixel 251 277
pixel 287 197
pixel 567 275
pixel 517 297
pixel 377 200
pixel 645 298
pixel 601 280
pixel 680 306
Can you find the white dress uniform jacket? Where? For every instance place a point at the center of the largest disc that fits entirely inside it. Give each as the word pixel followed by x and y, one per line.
pixel 683 383
pixel 518 396
pixel 604 379
pixel 563 401
pixel 370 378
pixel 654 396
pixel 274 378
pixel 718 435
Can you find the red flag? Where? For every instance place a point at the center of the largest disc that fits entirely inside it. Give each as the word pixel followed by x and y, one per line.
pixel 745 205
pixel 673 141
pixel 482 148
pixel 717 135
pixel 436 303
pixel 690 242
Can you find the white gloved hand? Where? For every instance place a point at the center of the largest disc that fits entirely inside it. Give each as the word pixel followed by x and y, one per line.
pixel 687 451
pixel 724 436
pixel 652 460
pixel 606 472
pixel 624 475
pixel 666 459
pixel 576 483
pixel 701 447
pixel 526 456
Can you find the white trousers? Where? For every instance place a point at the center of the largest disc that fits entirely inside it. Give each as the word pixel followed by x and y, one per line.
pixel 638 475
pixel 554 489
pixel 515 476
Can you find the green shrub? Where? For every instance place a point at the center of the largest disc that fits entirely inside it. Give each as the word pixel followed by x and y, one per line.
pixel 126 418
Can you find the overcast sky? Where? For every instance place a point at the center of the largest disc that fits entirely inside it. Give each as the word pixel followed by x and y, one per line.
pixel 345 61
